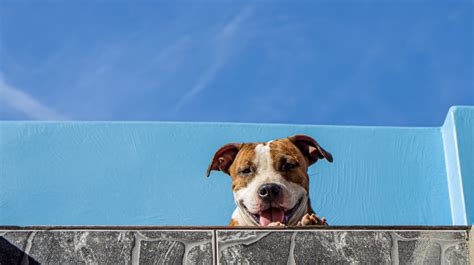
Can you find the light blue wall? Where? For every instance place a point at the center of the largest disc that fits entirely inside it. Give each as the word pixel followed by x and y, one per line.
pixel 152 173
pixel 460 122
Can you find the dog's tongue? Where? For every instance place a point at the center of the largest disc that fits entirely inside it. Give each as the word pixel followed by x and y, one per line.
pixel 271 215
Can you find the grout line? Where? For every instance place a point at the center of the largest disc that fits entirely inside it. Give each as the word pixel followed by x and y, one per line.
pixel 215 248
pixel 291 256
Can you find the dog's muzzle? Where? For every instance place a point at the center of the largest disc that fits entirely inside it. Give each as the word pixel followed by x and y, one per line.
pixel 273 214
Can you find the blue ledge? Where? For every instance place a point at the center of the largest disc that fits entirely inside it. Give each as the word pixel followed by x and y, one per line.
pixel 153 173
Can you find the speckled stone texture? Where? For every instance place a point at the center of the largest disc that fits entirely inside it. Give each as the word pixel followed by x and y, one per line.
pixel 343 247
pixel 235 246
pixel 106 247
pixel 178 247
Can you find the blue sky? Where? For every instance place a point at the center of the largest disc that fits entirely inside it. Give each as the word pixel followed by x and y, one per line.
pixel 393 63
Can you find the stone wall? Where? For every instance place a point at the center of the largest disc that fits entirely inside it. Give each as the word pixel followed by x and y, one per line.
pixel 230 246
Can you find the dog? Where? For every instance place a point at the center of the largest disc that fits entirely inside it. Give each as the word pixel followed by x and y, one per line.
pixel 270 180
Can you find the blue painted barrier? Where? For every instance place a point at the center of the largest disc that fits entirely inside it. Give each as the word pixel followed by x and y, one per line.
pixel 153 173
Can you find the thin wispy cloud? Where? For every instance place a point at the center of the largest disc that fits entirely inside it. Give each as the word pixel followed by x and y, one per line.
pixel 22 102
pixel 172 62
pixel 225 40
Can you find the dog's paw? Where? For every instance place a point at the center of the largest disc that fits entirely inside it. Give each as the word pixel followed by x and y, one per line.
pixel 312 219
pixel 276 224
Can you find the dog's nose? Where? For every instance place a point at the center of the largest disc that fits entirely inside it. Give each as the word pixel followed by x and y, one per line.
pixel 269 191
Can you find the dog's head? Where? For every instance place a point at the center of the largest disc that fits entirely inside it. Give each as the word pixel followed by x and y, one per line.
pixel 270 180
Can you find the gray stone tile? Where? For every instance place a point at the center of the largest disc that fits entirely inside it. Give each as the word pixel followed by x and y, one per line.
pixel 107 247
pixel 457 254
pixel 82 247
pixel 303 247
pixel 176 247
pixel 405 251
pixel 343 247
pixel 162 252
pixel 441 235
pixel 323 246
pixel 234 246
pixel 431 247
pixel 253 247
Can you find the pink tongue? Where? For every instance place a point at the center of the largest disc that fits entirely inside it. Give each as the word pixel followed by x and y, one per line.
pixel 271 215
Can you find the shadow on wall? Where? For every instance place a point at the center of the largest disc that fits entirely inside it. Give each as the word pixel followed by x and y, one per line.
pixel 10 254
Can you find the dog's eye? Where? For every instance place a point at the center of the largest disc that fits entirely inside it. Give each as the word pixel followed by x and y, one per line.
pixel 245 171
pixel 288 166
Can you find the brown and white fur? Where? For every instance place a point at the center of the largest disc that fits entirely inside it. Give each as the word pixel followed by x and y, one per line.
pixel 270 180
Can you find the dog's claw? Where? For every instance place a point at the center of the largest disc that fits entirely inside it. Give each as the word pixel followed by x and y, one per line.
pixel 276 224
pixel 324 221
pixel 312 219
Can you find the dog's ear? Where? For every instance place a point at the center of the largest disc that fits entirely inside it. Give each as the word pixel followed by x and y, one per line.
pixel 310 148
pixel 223 158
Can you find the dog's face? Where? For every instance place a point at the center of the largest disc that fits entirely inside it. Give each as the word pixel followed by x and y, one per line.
pixel 270 180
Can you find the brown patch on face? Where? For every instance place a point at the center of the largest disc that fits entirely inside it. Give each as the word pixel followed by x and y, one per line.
pixel 243 161
pixel 283 151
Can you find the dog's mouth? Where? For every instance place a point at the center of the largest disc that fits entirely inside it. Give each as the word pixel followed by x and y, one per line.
pixel 274 214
